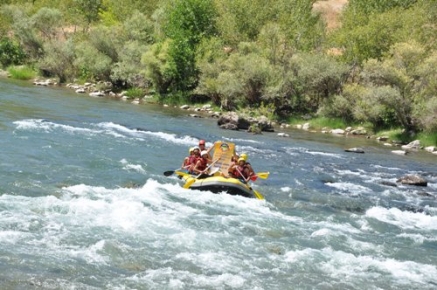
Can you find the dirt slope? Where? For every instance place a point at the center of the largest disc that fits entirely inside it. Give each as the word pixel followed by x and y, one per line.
pixel 330 10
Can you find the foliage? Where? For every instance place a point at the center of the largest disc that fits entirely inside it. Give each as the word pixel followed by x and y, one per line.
pixel 58 60
pixel 267 56
pixel 331 123
pixel 242 21
pixel 188 22
pixel 135 93
pixel 155 60
pixel 129 69
pixel 21 72
pixel 11 53
pixel 92 64
pixel 88 10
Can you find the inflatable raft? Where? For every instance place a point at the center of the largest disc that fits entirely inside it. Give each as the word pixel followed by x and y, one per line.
pixel 218 184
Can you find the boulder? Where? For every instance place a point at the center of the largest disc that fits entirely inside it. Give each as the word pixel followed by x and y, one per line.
pixel 359 132
pixel 337 131
pixel 399 152
pixel 413 179
pixel 229 126
pixel 306 126
pixel 415 145
pixel 97 94
pixel 265 124
pixel 233 119
pixel 382 138
pixel 430 149
pixel 355 150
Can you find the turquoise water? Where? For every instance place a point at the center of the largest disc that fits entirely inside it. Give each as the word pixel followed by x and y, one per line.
pixel 84 204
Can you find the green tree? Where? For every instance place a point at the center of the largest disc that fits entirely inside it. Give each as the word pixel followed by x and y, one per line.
pixel 88 10
pixel 10 53
pixel 129 69
pixel 91 63
pixel 156 63
pixel 23 28
pixel 188 22
pixel 58 60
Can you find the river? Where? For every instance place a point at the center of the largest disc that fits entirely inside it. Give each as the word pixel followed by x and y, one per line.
pixel 84 204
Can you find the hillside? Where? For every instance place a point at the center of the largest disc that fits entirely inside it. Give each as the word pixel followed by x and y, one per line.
pixel 330 10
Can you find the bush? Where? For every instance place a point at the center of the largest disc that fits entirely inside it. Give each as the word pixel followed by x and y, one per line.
pixel 11 53
pixel 21 72
pixel 135 93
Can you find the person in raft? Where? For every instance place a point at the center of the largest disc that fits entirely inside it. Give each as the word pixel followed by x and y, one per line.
pixel 248 167
pixel 186 163
pixel 202 146
pixel 201 167
pixel 239 171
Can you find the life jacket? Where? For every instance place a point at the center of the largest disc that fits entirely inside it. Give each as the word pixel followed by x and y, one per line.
pixel 192 160
pixel 203 163
pixel 239 172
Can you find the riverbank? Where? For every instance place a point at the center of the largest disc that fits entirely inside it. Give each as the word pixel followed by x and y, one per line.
pixel 240 121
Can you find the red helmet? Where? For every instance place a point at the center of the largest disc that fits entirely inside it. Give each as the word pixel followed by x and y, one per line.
pixel 202 142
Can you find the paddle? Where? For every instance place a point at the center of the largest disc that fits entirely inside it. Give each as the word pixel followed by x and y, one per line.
pixel 170 172
pixel 191 180
pixel 262 175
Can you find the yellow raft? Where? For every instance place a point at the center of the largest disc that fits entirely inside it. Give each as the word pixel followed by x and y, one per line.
pixel 218 184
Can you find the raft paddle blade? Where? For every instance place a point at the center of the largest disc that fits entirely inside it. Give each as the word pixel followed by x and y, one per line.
pixel 189 182
pixel 258 195
pixel 169 172
pixel 263 175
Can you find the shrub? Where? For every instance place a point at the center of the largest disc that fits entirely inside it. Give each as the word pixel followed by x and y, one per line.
pixel 10 53
pixel 21 72
pixel 135 93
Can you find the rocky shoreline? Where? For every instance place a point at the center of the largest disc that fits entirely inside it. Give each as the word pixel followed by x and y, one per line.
pixel 236 121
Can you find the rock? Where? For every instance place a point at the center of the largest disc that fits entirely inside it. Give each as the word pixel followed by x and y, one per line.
pixel 195 116
pixel 229 126
pixel 355 150
pixel 359 132
pixel 215 114
pixel 382 138
pixel 399 152
pixel 97 94
pixel 430 149
pixel 415 145
pixel 423 193
pixel 413 180
pixel 283 135
pixel 264 124
pixel 306 126
pixel 184 107
pixel 388 183
pixel 337 131
pixel 235 120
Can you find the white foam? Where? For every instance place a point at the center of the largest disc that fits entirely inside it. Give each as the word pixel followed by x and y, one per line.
pixel 325 154
pixel 344 265
pixel 350 188
pixel 132 167
pixel 403 219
